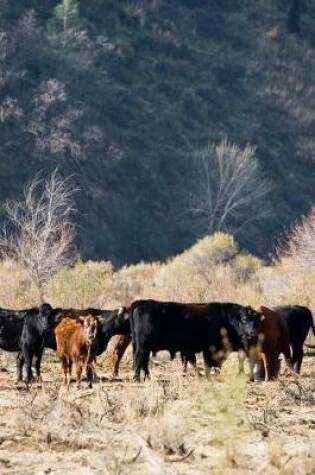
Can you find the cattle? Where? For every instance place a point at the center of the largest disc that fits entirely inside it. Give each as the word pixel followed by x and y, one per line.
pixel 212 328
pixel 76 344
pixel 24 331
pixel 271 341
pixel 300 321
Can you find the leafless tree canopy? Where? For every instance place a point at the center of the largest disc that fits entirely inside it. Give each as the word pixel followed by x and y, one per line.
pixel 39 233
pixel 301 246
pixel 229 189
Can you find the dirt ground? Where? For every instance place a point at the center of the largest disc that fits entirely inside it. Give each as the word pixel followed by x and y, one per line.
pixel 168 425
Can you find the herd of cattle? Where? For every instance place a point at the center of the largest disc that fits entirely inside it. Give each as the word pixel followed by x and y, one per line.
pixel 214 329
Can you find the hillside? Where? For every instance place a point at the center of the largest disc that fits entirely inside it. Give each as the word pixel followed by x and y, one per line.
pixel 121 94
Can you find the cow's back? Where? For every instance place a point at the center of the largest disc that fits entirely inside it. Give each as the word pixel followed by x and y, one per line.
pixel 176 326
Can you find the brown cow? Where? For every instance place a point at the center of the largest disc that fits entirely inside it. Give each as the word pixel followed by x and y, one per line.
pixel 273 338
pixel 77 343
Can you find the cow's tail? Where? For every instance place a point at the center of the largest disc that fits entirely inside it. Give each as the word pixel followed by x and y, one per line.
pixel 313 325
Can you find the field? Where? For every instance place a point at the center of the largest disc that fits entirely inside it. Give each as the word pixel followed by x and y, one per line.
pixel 167 425
pixel 170 424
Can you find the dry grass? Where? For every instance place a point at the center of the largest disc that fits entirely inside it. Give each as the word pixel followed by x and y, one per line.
pixel 170 424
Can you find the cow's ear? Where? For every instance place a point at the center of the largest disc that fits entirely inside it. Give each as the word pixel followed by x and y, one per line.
pixel 81 319
pixel 123 312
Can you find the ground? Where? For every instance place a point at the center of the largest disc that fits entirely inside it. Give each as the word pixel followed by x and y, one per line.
pixel 168 425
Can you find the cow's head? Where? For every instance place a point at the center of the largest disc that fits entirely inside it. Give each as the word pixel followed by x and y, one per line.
pixel 47 316
pixel 245 321
pixel 90 327
pixel 118 322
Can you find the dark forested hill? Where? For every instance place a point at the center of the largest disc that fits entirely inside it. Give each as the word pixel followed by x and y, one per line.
pixel 121 94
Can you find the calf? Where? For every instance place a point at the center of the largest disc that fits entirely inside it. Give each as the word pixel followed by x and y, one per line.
pixel 77 343
pixel 300 321
pixel 73 313
pixel 271 341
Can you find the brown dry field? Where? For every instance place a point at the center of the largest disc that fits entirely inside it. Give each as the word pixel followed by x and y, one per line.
pixel 168 425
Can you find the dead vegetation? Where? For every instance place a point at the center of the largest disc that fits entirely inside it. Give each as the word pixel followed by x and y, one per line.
pixel 168 425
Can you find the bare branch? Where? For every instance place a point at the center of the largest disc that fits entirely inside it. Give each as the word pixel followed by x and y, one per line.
pixel 229 190
pixel 301 245
pixel 40 233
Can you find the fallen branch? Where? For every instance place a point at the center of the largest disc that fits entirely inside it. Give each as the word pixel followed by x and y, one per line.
pixel 175 458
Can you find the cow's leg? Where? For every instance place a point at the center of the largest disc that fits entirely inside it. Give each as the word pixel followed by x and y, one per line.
pixel 93 365
pixel 241 360
pixel 141 360
pixel 188 358
pixel 210 362
pixel 297 358
pixel 184 359
pixel 79 368
pixel 253 358
pixel 28 357
pixel 146 368
pixel 19 366
pixel 118 353
pixel 270 357
pixel 267 364
pixel 38 359
pixel 69 368
pixel 89 374
pixel 64 367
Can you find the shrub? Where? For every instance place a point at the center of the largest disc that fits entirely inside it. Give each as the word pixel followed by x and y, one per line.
pixel 85 285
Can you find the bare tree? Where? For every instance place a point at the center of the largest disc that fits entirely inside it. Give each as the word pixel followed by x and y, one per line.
pixel 301 243
pixel 39 233
pixel 229 190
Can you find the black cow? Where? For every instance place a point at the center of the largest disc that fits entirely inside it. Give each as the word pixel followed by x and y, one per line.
pixel 37 326
pixel 24 331
pixel 190 328
pixel 299 320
